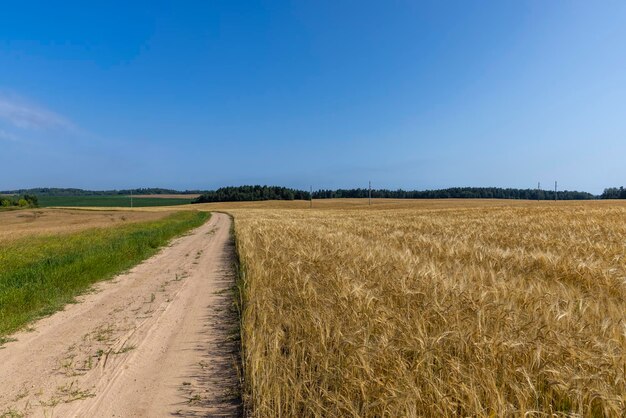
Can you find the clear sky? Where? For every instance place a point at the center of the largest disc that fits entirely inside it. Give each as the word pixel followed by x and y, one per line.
pixel 331 94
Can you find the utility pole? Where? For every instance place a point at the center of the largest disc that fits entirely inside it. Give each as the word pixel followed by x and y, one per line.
pixel 369 195
pixel 131 198
pixel 538 189
pixel 311 198
pixel 555 194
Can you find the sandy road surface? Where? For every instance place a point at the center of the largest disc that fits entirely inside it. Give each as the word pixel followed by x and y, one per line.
pixel 155 341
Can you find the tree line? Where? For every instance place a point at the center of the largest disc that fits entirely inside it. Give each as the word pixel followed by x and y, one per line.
pixel 455 193
pixel 257 192
pixel 251 193
pixel 24 201
pixel 614 193
pixel 55 191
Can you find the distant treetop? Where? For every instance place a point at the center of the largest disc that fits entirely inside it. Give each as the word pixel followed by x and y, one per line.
pixel 257 192
pixel 614 193
pixel 251 193
pixel 456 193
pixel 47 191
pixel 23 201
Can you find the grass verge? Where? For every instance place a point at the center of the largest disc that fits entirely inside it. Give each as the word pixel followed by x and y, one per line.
pixel 39 275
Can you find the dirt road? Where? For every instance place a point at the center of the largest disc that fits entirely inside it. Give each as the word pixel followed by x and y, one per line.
pixel 159 340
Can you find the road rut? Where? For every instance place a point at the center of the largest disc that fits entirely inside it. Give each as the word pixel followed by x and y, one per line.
pixel 158 340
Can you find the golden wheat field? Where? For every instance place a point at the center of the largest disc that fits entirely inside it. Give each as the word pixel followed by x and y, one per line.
pixel 440 308
pixel 21 223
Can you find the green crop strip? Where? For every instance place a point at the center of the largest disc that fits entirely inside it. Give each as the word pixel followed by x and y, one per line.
pixel 39 275
pixel 109 201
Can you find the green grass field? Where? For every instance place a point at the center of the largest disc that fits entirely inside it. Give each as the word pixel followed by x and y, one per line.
pixel 109 201
pixel 39 275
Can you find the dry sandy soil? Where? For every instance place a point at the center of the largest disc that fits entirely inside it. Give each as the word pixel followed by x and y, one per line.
pixel 155 341
pixel 19 223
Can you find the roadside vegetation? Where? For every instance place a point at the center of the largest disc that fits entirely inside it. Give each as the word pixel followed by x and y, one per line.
pixel 40 274
pixel 456 311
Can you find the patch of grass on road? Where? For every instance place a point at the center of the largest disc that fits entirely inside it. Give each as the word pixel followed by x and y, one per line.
pixel 39 275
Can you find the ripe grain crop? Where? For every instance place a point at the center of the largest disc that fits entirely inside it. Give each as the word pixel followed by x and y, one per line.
pixel 20 224
pixel 459 310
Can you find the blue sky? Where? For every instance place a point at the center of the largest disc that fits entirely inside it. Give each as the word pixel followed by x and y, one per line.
pixel 408 94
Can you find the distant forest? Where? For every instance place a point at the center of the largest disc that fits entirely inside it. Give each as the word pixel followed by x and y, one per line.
pixel 456 193
pixel 251 193
pixel 614 193
pixel 45 191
